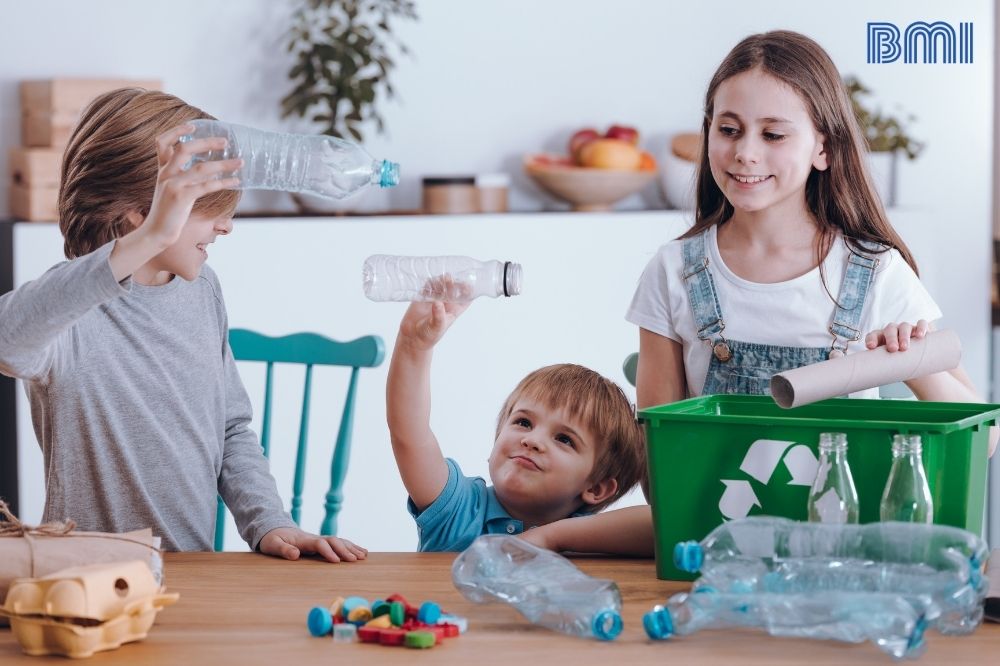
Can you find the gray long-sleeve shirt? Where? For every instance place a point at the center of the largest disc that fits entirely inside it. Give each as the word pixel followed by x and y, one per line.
pixel 137 404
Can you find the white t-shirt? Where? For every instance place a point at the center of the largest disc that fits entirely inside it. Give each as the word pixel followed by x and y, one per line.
pixel 795 313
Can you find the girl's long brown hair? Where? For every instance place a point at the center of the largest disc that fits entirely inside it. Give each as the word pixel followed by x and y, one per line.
pixel 109 167
pixel 841 198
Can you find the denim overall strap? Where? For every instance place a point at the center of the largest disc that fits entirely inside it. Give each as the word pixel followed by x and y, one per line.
pixel 853 293
pixel 701 291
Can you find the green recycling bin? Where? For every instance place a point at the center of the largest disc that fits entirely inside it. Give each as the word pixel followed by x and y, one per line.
pixel 720 457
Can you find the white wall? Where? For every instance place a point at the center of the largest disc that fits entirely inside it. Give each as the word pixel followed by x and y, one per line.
pixel 579 274
pixel 491 80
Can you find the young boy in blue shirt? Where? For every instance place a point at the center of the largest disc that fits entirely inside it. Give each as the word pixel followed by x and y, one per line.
pixel 567 445
pixel 123 349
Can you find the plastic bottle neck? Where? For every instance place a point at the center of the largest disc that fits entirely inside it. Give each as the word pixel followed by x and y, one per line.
pixel 906 445
pixel 833 442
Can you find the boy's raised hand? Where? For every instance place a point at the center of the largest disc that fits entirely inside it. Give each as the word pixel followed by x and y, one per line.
pixel 424 324
pixel 179 185
pixel 291 542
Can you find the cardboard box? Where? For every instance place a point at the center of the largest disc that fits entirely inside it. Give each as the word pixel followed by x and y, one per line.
pixel 51 108
pixel 43 97
pixel 35 204
pixel 35 167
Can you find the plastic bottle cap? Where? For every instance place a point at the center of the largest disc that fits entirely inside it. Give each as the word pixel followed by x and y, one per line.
pixel 429 612
pixel 397 613
pixel 345 633
pixel 917 637
pixel 389 175
pixel 420 639
pixel 658 624
pixel 460 622
pixel 607 624
pixel 350 603
pixel 689 556
pixel 320 622
pixel 368 634
pixel 392 637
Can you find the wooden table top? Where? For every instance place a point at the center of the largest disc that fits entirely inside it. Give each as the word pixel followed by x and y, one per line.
pixel 244 608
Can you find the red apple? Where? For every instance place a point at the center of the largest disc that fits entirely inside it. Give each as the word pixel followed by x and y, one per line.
pixel 580 139
pixel 623 133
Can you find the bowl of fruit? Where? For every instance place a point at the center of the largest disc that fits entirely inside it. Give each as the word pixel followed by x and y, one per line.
pixel 599 171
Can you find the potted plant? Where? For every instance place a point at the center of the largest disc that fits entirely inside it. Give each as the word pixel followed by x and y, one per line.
pixel 343 59
pixel 887 137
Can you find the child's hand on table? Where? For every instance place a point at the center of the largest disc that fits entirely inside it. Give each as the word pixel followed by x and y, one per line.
pixel 291 542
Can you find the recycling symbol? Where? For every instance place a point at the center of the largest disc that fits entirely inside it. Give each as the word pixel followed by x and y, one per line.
pixel 760 462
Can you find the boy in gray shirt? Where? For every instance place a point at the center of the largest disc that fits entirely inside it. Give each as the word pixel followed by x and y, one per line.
pixel 135 397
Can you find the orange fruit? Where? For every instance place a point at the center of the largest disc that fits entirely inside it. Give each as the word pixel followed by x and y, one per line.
pixel 610 154
pixel 646 162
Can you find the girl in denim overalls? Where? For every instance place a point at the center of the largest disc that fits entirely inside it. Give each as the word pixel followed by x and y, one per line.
pixel 791 259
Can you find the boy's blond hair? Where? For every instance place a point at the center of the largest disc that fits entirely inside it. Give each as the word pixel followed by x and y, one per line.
pixel 603 408
pixel 109 167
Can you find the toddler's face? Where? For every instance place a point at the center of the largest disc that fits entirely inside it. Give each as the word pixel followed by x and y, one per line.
pixel 762 143
pixel 542 459
pixel 186 256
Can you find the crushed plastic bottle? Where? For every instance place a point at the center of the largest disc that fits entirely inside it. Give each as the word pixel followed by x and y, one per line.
pixel 315 164
pixel 887 620
pixel 937 568
pixel 401 278
pixel 543 586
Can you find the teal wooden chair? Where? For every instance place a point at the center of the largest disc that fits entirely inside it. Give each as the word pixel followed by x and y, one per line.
pixel 630 367
pixel 308 349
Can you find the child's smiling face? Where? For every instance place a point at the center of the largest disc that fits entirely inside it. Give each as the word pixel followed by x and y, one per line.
pixel 190 251
pixel 762 144
pixel 542 460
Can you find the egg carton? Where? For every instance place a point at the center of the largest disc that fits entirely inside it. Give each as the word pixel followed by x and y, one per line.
pixel 82 610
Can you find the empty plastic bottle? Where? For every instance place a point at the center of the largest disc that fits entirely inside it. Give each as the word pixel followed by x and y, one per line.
pixel 833 498
pixel 936 568
pixel 315 164
pixel 544 586
pixel 907 496
pixel 400 278
pixel 884 619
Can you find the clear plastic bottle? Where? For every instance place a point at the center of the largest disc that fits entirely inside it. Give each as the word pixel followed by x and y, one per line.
pixel 833 498
pixel 907 496
pixel 936 567
pixel 543 586
pixel 401 278
pixel 315 164
pixel 887 620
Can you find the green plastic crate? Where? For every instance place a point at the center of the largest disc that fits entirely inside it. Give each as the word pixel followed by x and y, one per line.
pixel 726 456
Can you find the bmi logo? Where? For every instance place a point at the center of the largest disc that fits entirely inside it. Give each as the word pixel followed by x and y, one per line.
pixel 760 462
pixel 920 42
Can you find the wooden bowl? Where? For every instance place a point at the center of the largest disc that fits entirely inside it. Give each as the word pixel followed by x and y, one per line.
pixel 585 188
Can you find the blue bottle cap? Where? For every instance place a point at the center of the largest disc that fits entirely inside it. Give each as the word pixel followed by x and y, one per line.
pixel 916 641
pixel 606 625
pixel 350 603
pixel 320 622
pixel 689 556
pixel 389 176
pixel 658 624
pixel 429 613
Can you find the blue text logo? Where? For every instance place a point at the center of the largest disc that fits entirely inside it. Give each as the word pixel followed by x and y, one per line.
pixel 920 42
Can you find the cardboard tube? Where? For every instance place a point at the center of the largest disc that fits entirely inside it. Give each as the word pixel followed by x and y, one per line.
pixel 936 352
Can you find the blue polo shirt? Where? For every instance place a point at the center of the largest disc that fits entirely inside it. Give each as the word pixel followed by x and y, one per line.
pixel 465 509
